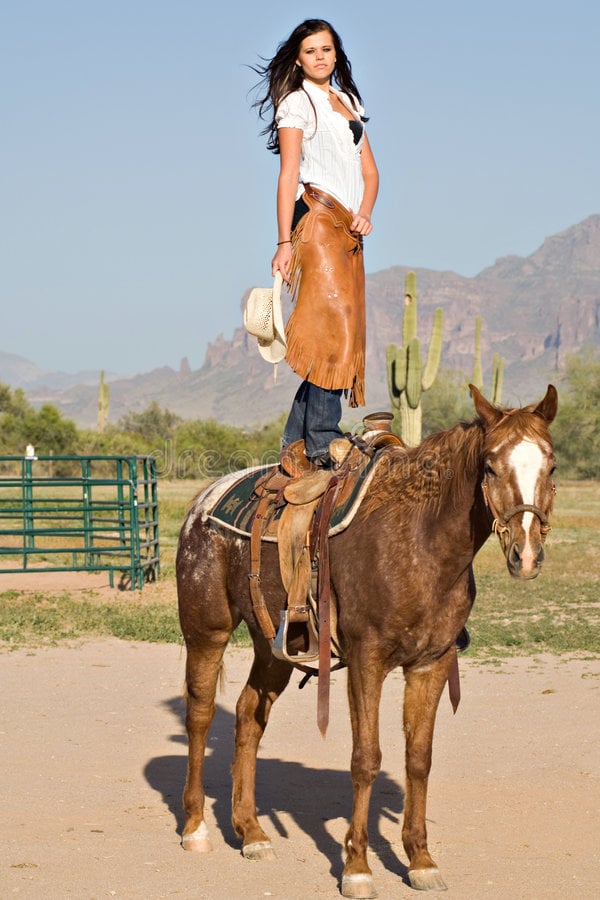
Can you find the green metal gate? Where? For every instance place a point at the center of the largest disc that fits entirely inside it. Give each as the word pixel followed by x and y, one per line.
pixel 80 513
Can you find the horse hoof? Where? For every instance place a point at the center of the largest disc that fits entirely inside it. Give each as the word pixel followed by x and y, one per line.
pixel 360 887
pixel 426 880
pixel 258 850
pixel 197 841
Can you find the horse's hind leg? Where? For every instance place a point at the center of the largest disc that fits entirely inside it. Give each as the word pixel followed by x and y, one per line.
pixel 268 678
pixel 421 699
pixel 203 667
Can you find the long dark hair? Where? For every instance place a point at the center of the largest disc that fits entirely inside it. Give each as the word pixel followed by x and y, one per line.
pixel 280 75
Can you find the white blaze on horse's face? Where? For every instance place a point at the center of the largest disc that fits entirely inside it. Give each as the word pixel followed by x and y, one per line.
pixel 527 460
pixel 518 478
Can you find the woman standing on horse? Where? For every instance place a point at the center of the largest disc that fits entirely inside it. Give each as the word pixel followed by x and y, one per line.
pixel 326 191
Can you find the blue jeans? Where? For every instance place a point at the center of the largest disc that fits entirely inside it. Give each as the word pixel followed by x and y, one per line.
pixel 314 417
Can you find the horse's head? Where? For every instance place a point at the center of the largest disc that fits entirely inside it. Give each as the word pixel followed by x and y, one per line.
pixel 517 481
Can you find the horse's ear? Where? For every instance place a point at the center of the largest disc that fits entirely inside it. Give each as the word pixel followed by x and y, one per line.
pixel 548 407
pixel 488 413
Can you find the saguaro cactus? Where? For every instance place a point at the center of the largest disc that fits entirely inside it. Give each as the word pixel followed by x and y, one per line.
pixel 477 375
pixel 407 378
pixel 497 379
pixel 497 368
pixel 103 402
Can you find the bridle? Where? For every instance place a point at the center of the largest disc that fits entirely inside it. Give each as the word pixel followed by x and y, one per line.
pixel 501 520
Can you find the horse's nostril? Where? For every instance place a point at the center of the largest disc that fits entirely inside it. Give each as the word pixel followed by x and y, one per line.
pixel 514 555
pixel 540 556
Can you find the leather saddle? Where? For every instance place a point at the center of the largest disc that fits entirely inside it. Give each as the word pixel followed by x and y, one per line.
pixel 305 502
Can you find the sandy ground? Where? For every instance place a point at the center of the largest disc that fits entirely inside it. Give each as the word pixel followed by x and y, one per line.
pixel 93 760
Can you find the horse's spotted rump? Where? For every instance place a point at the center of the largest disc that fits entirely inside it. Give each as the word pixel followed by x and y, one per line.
pixel 206 501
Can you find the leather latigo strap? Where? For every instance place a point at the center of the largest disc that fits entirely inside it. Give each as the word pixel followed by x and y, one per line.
pixel 326 332
pixel 258 601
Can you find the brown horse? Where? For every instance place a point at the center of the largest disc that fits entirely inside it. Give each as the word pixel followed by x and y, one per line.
pixel 402 582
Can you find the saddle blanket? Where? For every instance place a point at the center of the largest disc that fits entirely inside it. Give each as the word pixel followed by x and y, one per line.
pixel 231 501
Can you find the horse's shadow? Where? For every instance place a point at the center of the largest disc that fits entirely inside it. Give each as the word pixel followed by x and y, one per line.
pixel 282 787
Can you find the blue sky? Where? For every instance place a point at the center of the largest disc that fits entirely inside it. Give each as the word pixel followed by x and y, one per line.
pixel 137 199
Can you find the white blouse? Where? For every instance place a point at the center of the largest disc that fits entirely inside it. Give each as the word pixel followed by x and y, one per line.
pixel 330 159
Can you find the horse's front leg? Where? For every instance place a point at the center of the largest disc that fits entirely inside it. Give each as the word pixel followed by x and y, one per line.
pixel 421 699
pixel 365 678
pixel 268 678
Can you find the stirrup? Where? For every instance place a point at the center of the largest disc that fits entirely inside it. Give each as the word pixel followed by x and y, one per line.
pixel 279 647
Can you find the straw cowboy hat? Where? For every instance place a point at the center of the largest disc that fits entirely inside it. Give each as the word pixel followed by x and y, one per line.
pixel 263 318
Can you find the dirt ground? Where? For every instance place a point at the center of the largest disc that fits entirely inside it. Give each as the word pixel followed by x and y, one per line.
pixel 93 761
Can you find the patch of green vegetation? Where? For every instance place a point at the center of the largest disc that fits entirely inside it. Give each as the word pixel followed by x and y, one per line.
pixel 558 612
pixel 41 619
pixel 33 620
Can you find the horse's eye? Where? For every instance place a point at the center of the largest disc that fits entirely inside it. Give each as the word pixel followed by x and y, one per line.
pixel 488 469
pixel 552 471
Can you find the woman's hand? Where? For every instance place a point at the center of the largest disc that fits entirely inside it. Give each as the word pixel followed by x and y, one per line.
pixel 361 224
pixel 282 261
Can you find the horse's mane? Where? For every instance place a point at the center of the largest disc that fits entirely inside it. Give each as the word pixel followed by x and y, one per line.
pixel 432 473
pixel 440 468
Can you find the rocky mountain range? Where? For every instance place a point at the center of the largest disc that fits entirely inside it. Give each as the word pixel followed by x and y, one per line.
pixel 535 310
